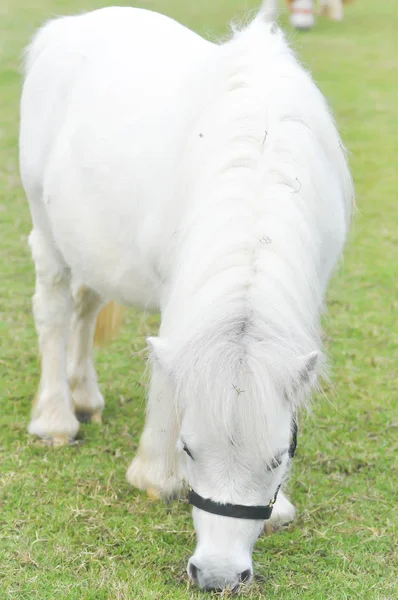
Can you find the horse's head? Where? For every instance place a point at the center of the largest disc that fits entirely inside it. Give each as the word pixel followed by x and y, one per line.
pixel 235 440
pixel 232 490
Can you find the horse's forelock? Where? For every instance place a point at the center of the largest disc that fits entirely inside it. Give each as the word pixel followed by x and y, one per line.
pixel 238 381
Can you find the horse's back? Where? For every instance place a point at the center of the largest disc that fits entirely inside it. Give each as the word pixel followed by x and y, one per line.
pixel 103 120
pixel 128 118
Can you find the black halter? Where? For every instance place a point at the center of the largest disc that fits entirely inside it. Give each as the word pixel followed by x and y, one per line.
pixel 241 511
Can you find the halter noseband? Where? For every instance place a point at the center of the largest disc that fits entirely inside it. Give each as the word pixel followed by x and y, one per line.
pixel 241 511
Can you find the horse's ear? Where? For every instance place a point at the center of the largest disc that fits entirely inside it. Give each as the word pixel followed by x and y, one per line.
pixel 158 349
pixel 308 366
pixel 303 378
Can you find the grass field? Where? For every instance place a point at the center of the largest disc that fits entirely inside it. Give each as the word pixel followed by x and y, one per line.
pixel 70 526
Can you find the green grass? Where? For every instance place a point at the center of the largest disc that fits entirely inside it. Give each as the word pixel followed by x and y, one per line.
pixel 70 527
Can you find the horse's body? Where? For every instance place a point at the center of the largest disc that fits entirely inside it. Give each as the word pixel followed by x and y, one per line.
pixel 140 87
pixel 206 181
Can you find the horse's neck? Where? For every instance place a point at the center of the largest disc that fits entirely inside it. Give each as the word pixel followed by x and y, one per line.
pixel 234 262
pixel 243 241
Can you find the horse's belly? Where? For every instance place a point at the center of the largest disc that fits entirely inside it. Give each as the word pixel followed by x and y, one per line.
pixel 129 284
pixel 109 196
pixel 109 223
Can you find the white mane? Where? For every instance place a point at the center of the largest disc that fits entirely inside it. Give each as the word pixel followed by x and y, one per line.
pixel 247 293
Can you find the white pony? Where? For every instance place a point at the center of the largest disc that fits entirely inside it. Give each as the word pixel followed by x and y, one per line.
pixel 207 181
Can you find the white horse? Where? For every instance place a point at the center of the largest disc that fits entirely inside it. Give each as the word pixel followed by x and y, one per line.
pixel 208 182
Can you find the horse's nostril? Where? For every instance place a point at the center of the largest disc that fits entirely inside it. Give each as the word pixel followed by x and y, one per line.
pixel 193 572
pixel 245 576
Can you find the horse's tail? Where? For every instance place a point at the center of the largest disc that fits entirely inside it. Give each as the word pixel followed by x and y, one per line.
pixel 108 323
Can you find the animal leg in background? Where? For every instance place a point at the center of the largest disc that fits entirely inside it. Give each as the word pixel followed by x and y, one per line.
pixel 333 9
pixel 271 6
pixel 86 396
pixel 52 414
pixel 301 13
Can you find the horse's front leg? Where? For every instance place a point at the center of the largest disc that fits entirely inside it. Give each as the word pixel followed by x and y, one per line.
pixel 155 468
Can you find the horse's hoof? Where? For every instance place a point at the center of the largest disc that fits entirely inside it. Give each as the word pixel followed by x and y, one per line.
pixel 137 476
pixel 60 440
pixel 82 417
pixel 57 428
pixel 269 529
pixel 96 418
pixel 153 493
pixel 149 476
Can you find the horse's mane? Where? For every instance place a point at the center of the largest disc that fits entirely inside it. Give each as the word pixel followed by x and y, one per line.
pixel 237 372
pixel 250 272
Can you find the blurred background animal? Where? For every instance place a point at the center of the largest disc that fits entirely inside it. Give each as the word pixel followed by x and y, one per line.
pixel 302 11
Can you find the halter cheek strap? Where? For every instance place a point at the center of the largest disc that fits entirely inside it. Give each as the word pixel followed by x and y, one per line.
pixel 241 511
pixel 293 443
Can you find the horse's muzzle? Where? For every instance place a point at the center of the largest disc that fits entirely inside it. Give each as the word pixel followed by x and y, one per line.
pixel 210 581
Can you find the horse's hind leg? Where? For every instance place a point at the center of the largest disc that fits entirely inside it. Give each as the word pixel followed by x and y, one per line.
pixel 52 414
pixel 86 397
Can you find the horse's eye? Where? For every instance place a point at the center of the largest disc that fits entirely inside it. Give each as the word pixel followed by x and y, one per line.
pixel 275 463
pixel 187 450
